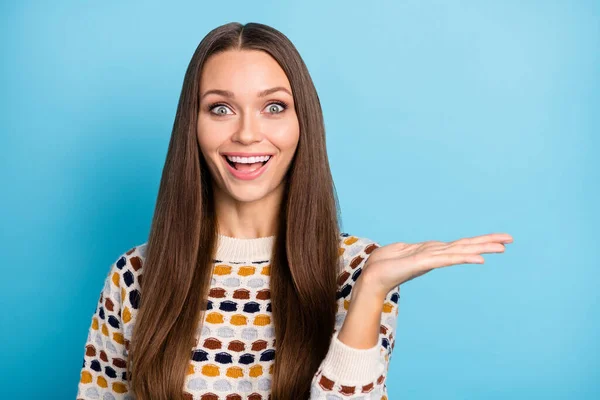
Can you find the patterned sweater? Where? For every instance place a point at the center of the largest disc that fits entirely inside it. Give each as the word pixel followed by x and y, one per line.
pixel 234 353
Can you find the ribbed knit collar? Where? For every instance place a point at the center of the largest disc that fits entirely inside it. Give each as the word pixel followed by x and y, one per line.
pixel 244 250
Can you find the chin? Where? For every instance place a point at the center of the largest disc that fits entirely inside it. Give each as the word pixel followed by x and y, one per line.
pixel 247 197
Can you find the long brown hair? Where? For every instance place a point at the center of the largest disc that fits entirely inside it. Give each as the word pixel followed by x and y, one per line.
pixel 179 256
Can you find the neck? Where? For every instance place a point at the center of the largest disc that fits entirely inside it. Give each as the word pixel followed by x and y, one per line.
pixel 244 250
pixel 245 216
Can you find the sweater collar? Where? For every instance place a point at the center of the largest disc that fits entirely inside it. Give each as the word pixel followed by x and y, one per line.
pixel 244 250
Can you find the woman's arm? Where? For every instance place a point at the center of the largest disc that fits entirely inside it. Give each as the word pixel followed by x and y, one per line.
pixel 105 356
pixel 360 351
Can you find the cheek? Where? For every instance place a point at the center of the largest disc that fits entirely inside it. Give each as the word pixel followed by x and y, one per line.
pixel 286 138
pixel 208 137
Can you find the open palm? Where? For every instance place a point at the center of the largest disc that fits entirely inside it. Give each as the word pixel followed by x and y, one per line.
pixel 391 265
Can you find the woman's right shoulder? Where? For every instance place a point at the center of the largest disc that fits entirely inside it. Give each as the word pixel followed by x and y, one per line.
pixel 125 273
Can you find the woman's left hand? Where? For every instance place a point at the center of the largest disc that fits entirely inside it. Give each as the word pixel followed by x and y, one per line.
pixel 391 265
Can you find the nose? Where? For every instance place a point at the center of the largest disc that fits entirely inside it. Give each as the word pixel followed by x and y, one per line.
pixel 248 130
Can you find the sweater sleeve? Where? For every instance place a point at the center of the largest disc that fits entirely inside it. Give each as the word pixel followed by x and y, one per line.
pixel 103 373
pixel 347 372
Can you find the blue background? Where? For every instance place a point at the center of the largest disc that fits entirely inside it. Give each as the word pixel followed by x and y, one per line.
pixel 444 120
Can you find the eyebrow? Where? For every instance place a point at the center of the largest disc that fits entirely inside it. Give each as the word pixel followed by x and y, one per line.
pixel 230 94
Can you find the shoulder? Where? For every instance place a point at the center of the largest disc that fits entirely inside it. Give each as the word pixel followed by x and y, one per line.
pixel 125 274
pixel 354 251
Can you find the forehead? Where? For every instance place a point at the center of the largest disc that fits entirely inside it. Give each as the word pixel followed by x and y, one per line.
pixel 242 71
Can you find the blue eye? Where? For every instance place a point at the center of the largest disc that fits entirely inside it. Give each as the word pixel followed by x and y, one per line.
pixel 220 109
pixel 274 106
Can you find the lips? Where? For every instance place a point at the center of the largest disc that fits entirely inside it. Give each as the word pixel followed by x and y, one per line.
pixel 233 163
pixel 247 175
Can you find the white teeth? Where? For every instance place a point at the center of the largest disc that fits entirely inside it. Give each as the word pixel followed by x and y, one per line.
pixel 248 160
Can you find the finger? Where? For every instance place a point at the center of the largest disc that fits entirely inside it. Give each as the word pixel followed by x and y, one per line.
pixel 492 237
pixel 446 260
pixel 477 248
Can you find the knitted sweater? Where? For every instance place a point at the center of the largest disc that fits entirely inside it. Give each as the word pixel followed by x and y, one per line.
pixel 234 353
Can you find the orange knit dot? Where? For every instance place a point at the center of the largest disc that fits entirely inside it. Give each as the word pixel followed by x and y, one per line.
pixel 102 382
pixel 104 330
pixel 95 323
pixel 86 377
pixel 346 304
pixel 190 369
pixel 119 387
pixel 262 320
pixel 387 307
pixel 239 320
pixel 266 270
pixel 115 278
pixel 350 240
pixel 246 271
pixel 118 337
pixel 214 318
pixel 256 371
pixel 126 315
pixel 235 372
pixel 210 370
pixel 222 270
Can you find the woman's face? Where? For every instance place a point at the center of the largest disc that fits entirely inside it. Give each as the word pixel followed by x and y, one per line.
pixel 246 109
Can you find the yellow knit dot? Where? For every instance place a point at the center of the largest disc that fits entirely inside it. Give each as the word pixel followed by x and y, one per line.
pixel 210 370
pixel 222 270
pixel 115 279
pixel 350 239
pixel 387 307
pixel 122 294
pixel 119 387
pixel 346 304
pixel 214 318
pixel 235 372
pixel 262 320
pixel 190 369
pixel 126 315
pixel 246 271
pixel 95 323
pixel 86 377
pixel 341 251
pixel 118 337
pixel 266 270
pixel 104 330
pixel 256 371
pixel 239 320
pixel 102 382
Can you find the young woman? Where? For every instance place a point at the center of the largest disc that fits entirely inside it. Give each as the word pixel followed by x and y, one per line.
pixel 246 287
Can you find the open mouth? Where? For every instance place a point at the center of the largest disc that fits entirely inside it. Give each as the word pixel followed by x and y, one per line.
pixel 247 167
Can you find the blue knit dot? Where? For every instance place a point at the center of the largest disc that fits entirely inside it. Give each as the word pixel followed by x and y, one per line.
pixel 111 373
pixel 267 355
pixel 223 358
pixel 121 262
pixel 200 355
pixel 251 307
pixel 134 298
pixel 113 322
pixel 128 278
pixel 385 343
pixel 247 359
pixel 95 366
pixel 228 306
